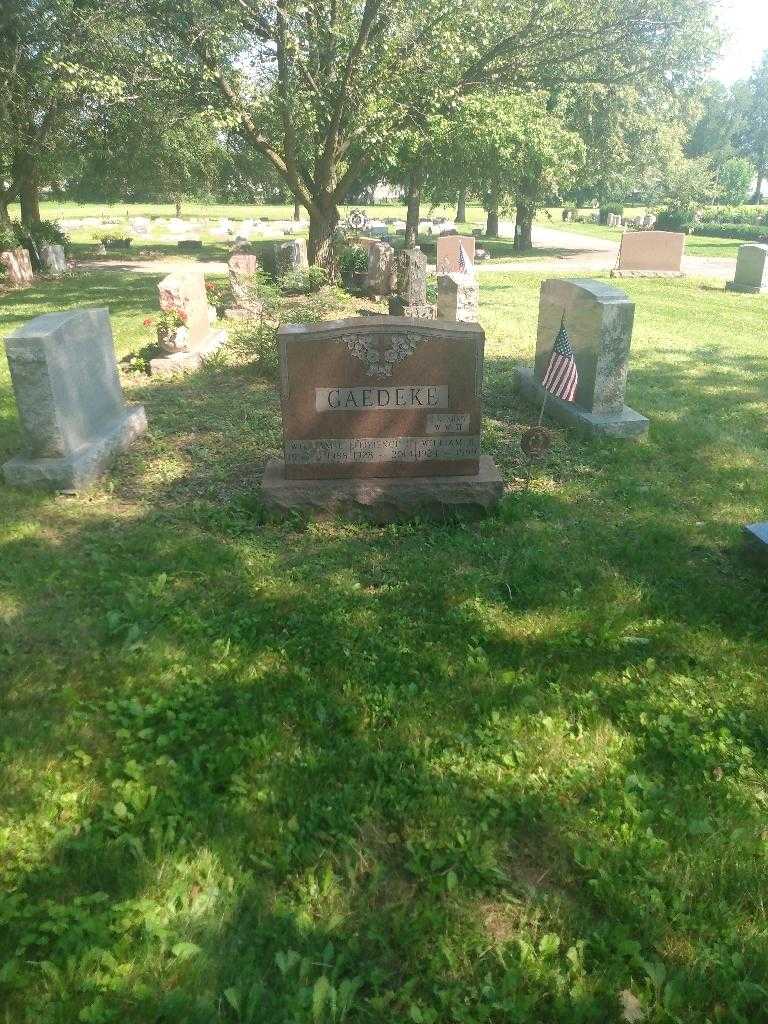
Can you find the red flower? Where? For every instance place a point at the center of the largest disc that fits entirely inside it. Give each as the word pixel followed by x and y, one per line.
pixel 148 322
pixel 182 314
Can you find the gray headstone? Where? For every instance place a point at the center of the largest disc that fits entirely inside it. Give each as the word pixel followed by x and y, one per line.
pixel 458 297
pixel 599 320
pixel 282 258
pixel 71 408
pixel 751 270
pixel 381 275
pixel 54 260
pixel 411 281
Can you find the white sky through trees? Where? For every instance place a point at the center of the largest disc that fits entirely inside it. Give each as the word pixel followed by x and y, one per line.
pixel 746 23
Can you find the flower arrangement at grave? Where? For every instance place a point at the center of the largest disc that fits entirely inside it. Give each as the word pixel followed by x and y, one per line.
pixel 172 331
pixel 219 296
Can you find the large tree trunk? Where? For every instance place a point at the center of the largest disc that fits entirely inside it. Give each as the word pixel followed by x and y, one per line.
pixel 6 198
pixel 177 201
pixel 415 179
pixel 29 190
pixel 323 219
pixel 461 207
pixel 492 224
pixel 296 209
pixel 758 196
pixel 525 212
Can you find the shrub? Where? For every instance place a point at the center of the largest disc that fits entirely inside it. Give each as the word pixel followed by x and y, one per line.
pixel 110 235
pixel 318 278
pixel 295 282
pixel 48 232
pixel 257 342
pixel 743 232
pixel 8 238
pixel 674 220
pixel 353 260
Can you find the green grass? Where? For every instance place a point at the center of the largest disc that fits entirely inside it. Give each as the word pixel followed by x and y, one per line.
pixel 316 772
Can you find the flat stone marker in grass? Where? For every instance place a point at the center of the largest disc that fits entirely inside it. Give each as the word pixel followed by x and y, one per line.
pixel 651 254
pixel 756 539
pixel 382 415
pixel 185 292
pixel 72 412
pixel 751 270
pixel 599 320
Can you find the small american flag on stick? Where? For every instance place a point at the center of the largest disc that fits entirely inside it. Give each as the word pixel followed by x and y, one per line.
pixel 561 377
pixel 465 263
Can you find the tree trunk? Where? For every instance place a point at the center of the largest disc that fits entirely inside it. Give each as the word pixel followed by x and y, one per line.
pixel 177 200
pixel 525 212
pixel 415 179
pixel 29 192
pixel 296 209
pixel 322 224
pixel 6 198
pixel 461 207
pixel 492 225
pixel 757 197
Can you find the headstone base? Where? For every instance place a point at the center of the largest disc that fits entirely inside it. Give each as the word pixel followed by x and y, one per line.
pixel 397 307
pixel 756 539
pixel 647 273
pixel 746 289
pixel 384 500
pixel 627 424
pixel 81 469
pixel 178 362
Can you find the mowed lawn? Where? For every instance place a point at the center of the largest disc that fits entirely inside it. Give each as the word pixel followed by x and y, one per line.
pixel 506 772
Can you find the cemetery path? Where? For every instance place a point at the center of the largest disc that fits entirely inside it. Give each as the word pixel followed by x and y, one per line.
pixel 155 266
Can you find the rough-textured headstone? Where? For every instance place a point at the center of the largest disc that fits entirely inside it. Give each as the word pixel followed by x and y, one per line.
pixel 381 275
pixel 283 258
pixel 18 267
pixel 599 320
pixel 242 268
pixel 458 297
pixel 651 254
pixel 411 281
pixel 71 408
pixel 185 292
pixel 751 270
pixel 53 259
pixel 449 254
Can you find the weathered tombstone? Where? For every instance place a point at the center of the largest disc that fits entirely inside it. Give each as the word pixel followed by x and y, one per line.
pixel 72 412
pixel 381 414
pixel 378 229
pixel 449 258
pixel 751 270
pixel 18 267
pixel 53 259
pixel 283 258
pixel 242 268
pixel 458 297
pixel 599 320
pixel 381 275
pixel 411 297
pixel 649 222
pixel 651 254
pixel 185 294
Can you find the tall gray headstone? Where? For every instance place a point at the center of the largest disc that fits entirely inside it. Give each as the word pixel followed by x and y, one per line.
pixel 381 275
pixel 411 297
pixel 71 408
pixel 458 297
pixel 54 260
pixel 599 320
pixel 751 270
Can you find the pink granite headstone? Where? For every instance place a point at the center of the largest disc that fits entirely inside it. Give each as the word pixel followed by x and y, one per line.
pixel 449 255
pixel 186 293
pixel 651 252
pixel 18 267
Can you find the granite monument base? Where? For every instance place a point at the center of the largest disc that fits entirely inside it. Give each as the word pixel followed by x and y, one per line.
pixel 384 499
pixel 756 540
pixel 647 273
pixel 746 289
pixel 178 362
pixel 82 468
pixel 626 424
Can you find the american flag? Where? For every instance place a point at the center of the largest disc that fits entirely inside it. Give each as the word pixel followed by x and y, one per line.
pixel 465 263
pixel 562 376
